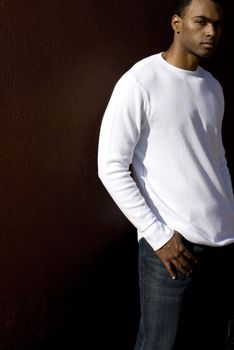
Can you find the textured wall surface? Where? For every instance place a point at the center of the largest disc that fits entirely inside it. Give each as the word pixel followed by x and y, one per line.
pixel 68 257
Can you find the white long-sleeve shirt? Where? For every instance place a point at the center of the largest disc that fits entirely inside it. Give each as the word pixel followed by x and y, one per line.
pixel 166 122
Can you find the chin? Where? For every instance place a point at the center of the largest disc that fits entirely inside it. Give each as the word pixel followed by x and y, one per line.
pixel 206 54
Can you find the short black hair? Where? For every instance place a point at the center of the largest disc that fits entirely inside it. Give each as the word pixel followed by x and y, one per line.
pixel 180 6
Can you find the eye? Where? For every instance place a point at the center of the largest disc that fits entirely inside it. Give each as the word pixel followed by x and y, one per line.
pixel 218 25
pixel 201 22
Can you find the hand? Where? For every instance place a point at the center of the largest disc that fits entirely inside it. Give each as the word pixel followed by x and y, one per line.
pixel 175 255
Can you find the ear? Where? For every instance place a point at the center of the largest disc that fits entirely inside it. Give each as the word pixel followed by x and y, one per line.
pixel 176 23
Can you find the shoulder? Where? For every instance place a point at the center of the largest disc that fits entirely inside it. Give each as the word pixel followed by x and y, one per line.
pixel 142 73
pixel 210 78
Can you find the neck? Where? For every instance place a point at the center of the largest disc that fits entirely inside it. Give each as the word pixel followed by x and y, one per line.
pixel 181 59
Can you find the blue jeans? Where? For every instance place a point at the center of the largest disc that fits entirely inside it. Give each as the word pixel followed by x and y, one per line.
pixel 189 312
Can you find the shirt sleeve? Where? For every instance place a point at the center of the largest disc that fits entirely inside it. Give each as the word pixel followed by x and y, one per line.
pixel 119 135
pixel 224 170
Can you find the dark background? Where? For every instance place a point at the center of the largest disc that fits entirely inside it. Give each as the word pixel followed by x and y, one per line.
pixel 68 257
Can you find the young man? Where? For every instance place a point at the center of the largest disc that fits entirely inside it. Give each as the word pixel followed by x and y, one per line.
pixel 164 119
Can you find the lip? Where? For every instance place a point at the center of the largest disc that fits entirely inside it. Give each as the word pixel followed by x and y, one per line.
pixel 208 45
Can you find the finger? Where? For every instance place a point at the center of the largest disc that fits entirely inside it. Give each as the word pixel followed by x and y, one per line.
pixel 169 268
pixel 189 256
pixel 180 267
pixel 185 264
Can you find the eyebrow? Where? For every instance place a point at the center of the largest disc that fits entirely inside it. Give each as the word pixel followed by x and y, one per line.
pixel 207 19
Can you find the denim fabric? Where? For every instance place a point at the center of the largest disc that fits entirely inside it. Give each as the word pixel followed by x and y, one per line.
pixel 189 312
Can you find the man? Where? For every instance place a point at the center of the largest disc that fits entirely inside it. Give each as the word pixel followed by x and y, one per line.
pixel 164 119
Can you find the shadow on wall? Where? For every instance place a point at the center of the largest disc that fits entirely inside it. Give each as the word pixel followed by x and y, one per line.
pixel 102 305
pixel 67 262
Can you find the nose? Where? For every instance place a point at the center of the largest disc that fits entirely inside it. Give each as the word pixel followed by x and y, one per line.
pixel 210 30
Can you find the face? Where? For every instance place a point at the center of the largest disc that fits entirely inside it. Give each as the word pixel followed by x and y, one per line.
pixel 199 27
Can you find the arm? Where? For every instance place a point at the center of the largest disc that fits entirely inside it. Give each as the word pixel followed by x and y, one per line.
pixel 224 170
pixel 119 135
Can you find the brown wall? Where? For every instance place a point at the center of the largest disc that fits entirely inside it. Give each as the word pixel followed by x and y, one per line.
pixel 68 257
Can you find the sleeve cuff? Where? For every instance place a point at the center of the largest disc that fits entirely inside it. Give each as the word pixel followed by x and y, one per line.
pixel 157 234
